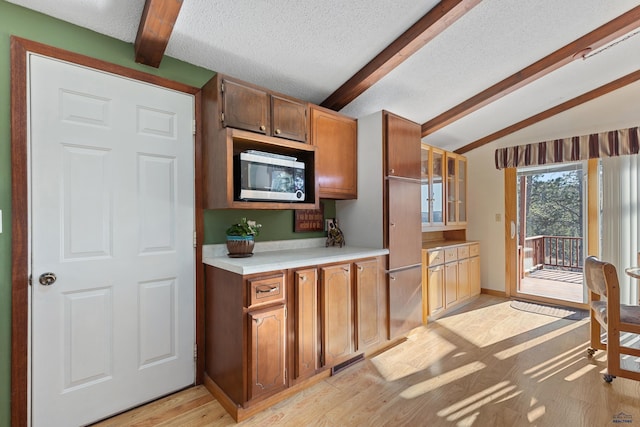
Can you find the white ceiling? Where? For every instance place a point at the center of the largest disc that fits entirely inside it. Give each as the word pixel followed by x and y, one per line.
pixel 308 49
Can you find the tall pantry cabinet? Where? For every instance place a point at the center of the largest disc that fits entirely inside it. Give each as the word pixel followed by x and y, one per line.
pixel 387 212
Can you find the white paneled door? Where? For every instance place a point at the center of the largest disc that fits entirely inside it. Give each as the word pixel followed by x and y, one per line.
pixel 112 211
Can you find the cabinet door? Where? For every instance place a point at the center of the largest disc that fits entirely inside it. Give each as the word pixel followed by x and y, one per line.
pixel 370 308
pixel 405 300
pixel 437 186
pixel 336 137
pixel 306 324
pixel 245 107
pixel 435 285
pixel 404 226
pixel 425 180
pixel 290 119
pixel 463 279
pixel 474 275
pixel 452 196
pixel 337 316
pixel 402 143
pixel 462 189
pixel 450 284
pixel 266 364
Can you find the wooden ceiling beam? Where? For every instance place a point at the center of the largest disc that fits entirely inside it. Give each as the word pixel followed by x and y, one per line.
pixel 574 102
pixel 156 25
pixel 574 50
pixel 438 19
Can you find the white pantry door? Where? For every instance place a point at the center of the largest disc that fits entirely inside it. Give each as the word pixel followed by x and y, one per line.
pixel 112 211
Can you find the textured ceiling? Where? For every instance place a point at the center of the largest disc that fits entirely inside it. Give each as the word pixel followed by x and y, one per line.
pixel 308 49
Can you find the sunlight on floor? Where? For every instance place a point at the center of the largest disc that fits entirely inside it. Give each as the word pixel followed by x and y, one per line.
pixel 527 345
pixel 478 400
pixel 431 384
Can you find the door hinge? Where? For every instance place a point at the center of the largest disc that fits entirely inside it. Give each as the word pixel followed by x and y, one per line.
pixel 222 87
pixel 285 311
pixel 222 117
pixel 285 374
pixel 195 352
pixel 195 240
pixel 193 127
pixel 30 280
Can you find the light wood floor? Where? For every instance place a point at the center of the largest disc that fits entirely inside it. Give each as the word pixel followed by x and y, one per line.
pixel 487 365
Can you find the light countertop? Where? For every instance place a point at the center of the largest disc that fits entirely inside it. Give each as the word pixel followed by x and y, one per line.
pixel 442 244
pixel 282 258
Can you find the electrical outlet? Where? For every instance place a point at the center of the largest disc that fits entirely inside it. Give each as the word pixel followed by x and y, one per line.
pixel 498 217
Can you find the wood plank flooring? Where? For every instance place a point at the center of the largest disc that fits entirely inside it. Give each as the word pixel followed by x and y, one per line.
pixel 485 365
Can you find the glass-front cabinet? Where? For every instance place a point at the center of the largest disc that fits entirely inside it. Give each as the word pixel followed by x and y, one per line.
pixel 432 176
pixel 456 189
pixel 462 190
pixel 444 189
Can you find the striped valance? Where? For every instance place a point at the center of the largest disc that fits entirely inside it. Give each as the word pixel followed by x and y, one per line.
pixel 605 144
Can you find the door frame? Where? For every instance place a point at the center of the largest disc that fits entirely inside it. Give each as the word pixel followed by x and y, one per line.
pixel 511 215
pixel 20 245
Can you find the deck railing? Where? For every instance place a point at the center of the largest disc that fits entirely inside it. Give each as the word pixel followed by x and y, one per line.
pixel 556 251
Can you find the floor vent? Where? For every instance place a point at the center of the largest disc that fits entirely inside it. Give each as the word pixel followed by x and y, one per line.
pixel 344 365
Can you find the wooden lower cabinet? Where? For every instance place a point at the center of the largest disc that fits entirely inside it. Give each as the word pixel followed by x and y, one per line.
pixel 371 303
pixel 451 275
pixel 267 356
pixel 405 300
pixel 306 323
pixel 435 292
pixel 269 335
pixel 337 314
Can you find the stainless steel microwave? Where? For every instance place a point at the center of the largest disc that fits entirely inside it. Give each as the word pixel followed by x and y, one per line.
pixel 267 176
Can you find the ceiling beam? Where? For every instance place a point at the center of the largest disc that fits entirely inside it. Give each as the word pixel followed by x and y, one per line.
pixel 438 19
pixel 156 25
pixel 574 102
pixel 574 50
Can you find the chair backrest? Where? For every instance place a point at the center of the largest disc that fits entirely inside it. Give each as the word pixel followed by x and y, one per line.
pixel 594 275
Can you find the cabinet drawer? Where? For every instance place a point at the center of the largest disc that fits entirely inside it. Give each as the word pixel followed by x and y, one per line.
pixel 463 252
pixel 263 290
pixel 450 254
pixel 435 257
pixel 474 250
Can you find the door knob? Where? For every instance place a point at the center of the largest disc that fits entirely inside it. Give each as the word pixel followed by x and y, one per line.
pixel 47 279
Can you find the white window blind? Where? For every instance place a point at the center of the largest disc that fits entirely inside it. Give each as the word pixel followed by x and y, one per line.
pixel 620 217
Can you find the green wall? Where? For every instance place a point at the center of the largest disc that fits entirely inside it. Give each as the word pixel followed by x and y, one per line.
pixel 15 20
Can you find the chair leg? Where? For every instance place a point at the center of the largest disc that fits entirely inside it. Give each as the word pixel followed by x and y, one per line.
pixel 608 378
pixel 591 352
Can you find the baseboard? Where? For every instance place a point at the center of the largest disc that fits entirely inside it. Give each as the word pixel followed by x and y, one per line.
pixel 493 293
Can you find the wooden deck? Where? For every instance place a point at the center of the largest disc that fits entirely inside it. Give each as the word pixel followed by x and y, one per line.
pixel 556 284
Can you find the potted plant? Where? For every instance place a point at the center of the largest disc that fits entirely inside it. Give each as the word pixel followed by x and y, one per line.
pixel 241 238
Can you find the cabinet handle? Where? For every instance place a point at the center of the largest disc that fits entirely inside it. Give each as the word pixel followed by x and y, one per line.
pixel 345 269
pixel 278 131
pixel 392 171
pixel 268 290
pixel 263 128
pixel 302 278
pixel 392 277
pixel 393 224
pixel 360 268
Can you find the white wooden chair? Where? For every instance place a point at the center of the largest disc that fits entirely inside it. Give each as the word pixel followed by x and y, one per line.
pixel 616 319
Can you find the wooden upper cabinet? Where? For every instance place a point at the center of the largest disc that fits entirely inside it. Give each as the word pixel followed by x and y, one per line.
pixel 250 107
pixel 289 118
pixel 245 106
pixel 402 144
pixel 336 137
pixel 456 189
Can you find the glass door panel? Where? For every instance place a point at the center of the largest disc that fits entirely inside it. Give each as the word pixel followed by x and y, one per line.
pixel 437 186
pixel 451 190
pixel 462 190
pixel 425 197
